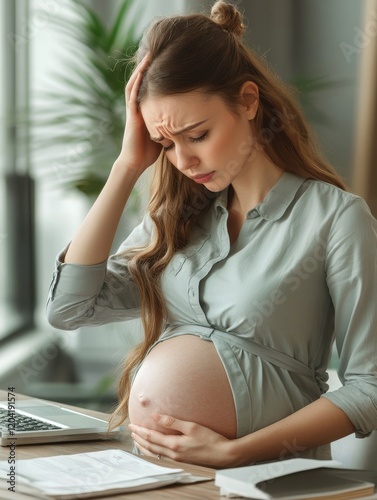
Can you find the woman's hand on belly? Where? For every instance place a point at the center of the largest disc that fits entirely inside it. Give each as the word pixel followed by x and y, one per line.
pixel 194 444
pixel 183 376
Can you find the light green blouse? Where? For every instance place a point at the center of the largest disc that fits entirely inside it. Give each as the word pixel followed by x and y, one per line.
pixel 302 270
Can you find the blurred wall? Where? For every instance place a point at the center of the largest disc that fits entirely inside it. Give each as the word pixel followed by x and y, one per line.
pixel 325 31
pixel 316 32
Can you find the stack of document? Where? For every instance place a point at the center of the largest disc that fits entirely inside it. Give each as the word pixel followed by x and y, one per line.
pixel 86 475
pixel 297 479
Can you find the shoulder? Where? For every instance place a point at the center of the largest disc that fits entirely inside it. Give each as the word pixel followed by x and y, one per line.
pixel 335 204
pixel 350 226
pixel 329 195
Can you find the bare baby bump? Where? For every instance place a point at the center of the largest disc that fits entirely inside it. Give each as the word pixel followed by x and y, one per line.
pixel 185 378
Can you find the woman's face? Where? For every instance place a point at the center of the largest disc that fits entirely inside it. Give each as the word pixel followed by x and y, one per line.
pixel 201 136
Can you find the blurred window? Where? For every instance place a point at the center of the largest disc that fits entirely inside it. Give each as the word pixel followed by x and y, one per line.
pixel 16 187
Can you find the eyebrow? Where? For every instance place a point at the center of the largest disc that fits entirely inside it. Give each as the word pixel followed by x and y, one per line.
pixel 181 131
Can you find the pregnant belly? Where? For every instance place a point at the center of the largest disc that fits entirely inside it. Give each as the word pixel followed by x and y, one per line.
pixel 184 377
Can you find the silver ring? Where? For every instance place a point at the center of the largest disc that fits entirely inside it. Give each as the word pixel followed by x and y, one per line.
pixel 158 457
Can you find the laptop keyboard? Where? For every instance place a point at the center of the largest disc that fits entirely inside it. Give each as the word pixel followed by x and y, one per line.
pixel 24 423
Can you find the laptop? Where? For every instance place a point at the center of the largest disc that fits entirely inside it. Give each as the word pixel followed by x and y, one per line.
pixel 37 421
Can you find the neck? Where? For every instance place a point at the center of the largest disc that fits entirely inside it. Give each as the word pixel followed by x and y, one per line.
pixel 251 187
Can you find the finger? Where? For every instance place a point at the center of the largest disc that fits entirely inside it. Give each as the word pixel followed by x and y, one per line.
pixel 131 99
pixel 145 62
pixel 157 451
pixel 137 72
pixel 149 448
pixel 145 434
pixel 132 87
pixel 169 422
pixel 140 67
pixel 153 440
pixel 144 451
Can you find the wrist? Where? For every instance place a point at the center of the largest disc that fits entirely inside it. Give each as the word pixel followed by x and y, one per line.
pixel 123 169
pixel 123 164
pixel 240 452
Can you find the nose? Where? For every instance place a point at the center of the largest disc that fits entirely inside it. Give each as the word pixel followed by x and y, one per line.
pixel 184 158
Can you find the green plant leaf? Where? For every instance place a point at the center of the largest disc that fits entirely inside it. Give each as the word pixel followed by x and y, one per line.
pixel 118 25
pixel 314 84
pixel 103 386
pixel 89 184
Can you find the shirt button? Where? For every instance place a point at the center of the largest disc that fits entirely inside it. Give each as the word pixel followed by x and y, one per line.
pixel 252 214
pixel 191 292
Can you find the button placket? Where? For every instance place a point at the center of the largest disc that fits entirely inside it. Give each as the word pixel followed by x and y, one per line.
pixel 193 298
pixel 218 251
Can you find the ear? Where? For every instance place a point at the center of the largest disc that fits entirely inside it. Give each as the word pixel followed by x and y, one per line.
pixel 249 95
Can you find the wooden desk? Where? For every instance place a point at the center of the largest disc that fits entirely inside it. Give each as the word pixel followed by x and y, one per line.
pixel 203 491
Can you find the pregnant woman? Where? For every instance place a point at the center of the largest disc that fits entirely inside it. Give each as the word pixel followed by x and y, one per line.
pixel 252 257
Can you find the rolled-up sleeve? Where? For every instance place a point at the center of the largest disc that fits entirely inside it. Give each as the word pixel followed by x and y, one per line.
pixel 352 281
pixel 94 295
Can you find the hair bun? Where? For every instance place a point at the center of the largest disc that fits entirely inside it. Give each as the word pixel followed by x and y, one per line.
pixel 228 17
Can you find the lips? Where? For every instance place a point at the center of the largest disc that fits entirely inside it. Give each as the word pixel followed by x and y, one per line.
pixel 202 178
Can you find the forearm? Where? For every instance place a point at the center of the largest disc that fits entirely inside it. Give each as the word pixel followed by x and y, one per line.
pixel 92 243
pixel 318 423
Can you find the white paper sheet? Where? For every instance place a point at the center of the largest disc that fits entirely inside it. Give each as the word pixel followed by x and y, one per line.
pixel 96 471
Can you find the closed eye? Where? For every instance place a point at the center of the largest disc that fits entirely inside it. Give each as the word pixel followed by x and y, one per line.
pixel 199 139
pixel 191 139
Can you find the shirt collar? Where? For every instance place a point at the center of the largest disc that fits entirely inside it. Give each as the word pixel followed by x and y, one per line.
pixel 277 200
pixel 221 200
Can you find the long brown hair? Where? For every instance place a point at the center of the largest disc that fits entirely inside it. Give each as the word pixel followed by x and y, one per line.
pixel 196 52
